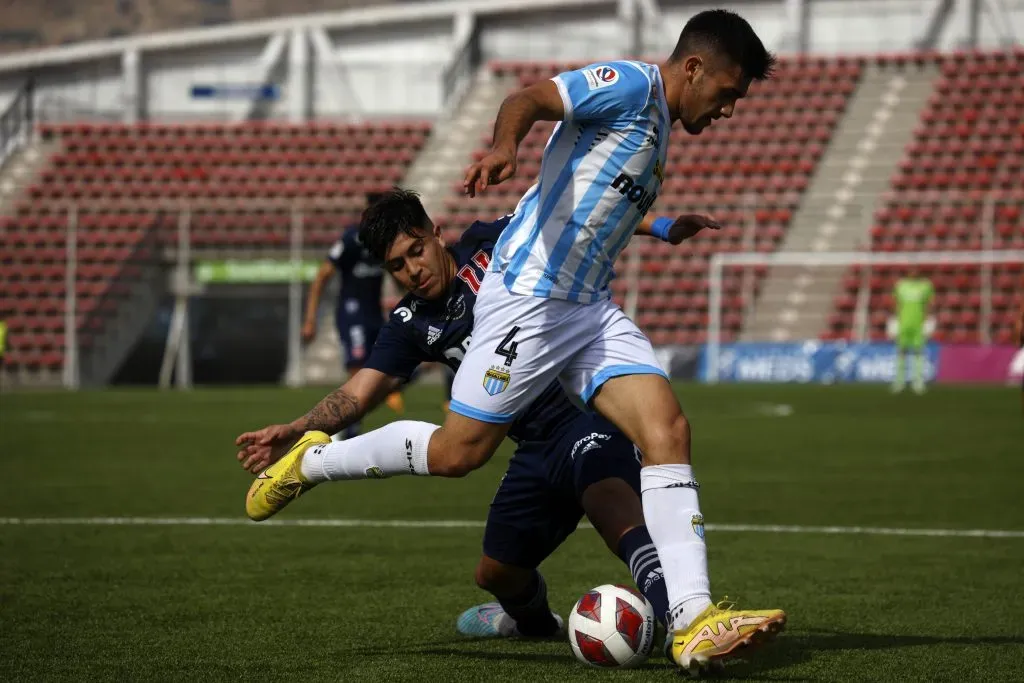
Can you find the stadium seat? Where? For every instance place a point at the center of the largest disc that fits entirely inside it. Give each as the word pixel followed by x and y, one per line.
pixel 123 173
pixel 960 174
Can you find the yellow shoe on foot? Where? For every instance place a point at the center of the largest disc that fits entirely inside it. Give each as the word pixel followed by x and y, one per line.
pixel 282 482
pixel 396 402
pixel 721 633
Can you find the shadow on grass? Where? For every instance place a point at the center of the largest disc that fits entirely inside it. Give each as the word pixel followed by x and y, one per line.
pixel 789 650
pixel 798 647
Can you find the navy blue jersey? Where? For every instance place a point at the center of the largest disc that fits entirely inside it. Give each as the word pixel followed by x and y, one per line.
pixel 361 280
pixel 422 331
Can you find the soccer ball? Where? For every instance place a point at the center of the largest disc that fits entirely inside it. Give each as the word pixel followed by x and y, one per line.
pixel 612 626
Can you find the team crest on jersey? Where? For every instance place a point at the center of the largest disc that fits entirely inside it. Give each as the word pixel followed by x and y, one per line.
pixel 456 307
pixel 496 381
pixel 697 522
pixel 433 333
pixel 601 77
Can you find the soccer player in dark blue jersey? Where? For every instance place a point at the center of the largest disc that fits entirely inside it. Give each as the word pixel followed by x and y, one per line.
pixel 358 315
pixel 567 463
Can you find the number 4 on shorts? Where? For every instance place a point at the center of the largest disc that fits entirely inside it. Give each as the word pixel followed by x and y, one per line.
pixel 507 347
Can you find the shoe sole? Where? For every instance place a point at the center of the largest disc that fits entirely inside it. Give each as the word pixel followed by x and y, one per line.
pixel 765 633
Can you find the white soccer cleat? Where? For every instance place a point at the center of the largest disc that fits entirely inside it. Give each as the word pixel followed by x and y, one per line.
pixel 489 620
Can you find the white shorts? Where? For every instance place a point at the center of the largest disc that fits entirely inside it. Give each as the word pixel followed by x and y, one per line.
pixel 521 343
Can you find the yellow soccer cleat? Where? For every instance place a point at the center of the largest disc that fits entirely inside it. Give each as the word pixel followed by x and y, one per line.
pixel 282 482
pixel 396 402
pixel 722 632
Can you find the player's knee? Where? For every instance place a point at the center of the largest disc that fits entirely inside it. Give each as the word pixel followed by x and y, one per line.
pixel 455 465
pixel 456 460
pixel 487 575
pixel 501 579
pixel 668 444
pixel 454 453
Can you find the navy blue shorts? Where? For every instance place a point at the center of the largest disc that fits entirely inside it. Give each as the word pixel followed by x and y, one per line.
pixel 538 503
pixel 357 338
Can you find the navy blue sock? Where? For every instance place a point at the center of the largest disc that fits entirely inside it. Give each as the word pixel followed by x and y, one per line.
pixel 531 611
pixel 637 550
pixel 352 431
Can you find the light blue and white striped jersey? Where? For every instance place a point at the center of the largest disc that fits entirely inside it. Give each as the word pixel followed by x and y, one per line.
pixel 600 174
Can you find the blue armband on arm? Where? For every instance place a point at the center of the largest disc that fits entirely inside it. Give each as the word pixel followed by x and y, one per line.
pixel 661 226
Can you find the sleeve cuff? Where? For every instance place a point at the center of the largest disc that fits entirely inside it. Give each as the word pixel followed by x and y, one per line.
pixel 563 91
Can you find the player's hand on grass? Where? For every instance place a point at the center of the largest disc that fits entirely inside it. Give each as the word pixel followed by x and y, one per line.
pixel 689 225
pixel 262 448
pixel 498 166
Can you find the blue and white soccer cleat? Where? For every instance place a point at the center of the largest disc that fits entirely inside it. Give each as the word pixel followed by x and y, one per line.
pixel 489 620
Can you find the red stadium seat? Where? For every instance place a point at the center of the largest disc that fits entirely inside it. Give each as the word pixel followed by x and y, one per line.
pixel 127 170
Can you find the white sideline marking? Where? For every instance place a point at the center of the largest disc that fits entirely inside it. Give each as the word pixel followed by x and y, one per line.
pixel 479 524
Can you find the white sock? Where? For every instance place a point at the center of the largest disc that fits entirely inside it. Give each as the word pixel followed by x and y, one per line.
pixel 397 448
pixel 672 513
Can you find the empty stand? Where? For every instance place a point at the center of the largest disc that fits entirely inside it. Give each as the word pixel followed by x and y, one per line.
pixel 129 183
pixel 959 187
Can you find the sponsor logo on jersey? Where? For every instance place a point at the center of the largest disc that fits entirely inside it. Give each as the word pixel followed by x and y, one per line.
pixel 601 77
pixel 588 443
pixel 697 522
pixel 652 140
pixel 404 314
pixel 635 193
pixel 496 380
pixel 433 334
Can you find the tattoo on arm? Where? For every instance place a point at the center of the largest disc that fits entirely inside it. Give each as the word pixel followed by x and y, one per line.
pixel 333 413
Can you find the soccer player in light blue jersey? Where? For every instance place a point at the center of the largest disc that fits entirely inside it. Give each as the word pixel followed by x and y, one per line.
pixel 544 310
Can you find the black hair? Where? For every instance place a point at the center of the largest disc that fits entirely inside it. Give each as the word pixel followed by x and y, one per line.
pixel 725 34
pixel 395 211
pixel 373 196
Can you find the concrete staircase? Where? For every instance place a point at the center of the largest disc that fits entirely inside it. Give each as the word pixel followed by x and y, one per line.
pixel 100 362
pixel 22 169
pixel 444 159
pixel 837 212
pixel 436 168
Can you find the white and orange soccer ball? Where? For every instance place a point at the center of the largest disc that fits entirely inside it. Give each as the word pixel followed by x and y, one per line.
pixel 612 627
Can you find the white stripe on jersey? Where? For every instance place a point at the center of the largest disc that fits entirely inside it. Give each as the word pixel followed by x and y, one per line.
pixel 599 175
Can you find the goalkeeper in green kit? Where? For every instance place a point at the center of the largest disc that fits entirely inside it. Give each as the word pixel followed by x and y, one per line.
pixel 913 295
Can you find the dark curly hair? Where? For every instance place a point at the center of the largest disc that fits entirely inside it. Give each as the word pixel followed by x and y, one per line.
pixel 393 212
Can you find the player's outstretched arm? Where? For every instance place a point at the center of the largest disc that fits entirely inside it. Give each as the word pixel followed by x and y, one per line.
pixel 363 392
pixel 313 300
pixel 518 113
pixel 678 230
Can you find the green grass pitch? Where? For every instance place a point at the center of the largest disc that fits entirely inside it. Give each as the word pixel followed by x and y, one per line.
pixel 248 602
